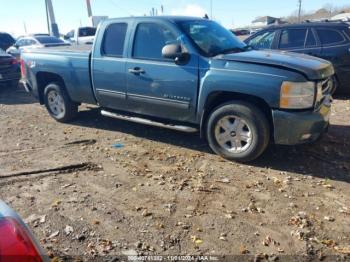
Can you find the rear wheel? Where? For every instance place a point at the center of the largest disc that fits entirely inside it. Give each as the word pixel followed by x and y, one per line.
pixel 238 131
pixel 58 103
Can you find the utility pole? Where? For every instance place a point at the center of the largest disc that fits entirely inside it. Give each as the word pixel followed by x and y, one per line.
pixel 53 27
pixel 299 13
pixel 89 9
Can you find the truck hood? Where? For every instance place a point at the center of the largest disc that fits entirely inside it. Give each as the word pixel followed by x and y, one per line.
pixel 313 68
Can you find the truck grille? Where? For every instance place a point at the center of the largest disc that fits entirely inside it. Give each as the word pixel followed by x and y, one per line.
pixel 325 89
pixel 327 86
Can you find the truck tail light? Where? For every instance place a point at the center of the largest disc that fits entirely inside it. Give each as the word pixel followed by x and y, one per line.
pixel 16 243
pixel 23 69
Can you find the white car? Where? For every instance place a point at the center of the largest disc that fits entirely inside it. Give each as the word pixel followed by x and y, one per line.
pixel 34 41
pixel 81 36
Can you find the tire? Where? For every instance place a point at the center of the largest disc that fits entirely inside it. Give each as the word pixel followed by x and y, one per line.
pixel 238 131
pixel 58 103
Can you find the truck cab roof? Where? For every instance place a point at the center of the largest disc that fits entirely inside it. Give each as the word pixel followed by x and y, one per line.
pixel 160 18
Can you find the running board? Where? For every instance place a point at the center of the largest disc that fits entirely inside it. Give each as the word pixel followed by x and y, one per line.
pixel 144 121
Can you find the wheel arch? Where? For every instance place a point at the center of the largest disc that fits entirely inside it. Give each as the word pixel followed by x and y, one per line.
pixel 45 78
pixel 218 98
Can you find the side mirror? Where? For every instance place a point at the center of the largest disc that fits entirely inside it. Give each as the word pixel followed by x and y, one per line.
pixel 66 37
pixel 16 46
pixel 174 51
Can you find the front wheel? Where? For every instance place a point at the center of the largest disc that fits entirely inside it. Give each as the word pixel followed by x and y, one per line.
pixel 58 103
pixel 238 131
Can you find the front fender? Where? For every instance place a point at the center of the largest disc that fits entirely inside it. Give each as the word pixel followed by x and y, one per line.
pixel 247 79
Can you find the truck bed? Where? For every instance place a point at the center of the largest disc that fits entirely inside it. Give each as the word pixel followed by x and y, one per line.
pixel 73 50
pixel 71 63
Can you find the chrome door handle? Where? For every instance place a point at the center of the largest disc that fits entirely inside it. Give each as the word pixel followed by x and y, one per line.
pixel 136 71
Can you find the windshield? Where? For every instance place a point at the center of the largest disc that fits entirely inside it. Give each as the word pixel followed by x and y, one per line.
pixel 49 40
pixel 87 31
pixel 211 38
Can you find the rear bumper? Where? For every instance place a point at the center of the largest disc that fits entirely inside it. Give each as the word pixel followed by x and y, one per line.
pixel 26 85
pixel 293 128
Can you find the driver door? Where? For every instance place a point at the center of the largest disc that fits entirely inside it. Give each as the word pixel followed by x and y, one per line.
pixel 157 86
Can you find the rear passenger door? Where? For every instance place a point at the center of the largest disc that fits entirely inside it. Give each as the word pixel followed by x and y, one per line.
pixel 336 48
pixel 108 66
pixel 300 40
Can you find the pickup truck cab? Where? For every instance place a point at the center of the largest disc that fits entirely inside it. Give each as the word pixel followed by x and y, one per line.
pixel 188 74
pixel 81 36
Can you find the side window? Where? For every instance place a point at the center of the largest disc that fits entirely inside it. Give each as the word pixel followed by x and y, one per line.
pixel 20 42
pixel 31 42
pixel 310 39
pixel 263 40
pixel 330 36
pixel 150 39
pixel 23 42
pixel 114 39
pixel 70 34
pixel 292 38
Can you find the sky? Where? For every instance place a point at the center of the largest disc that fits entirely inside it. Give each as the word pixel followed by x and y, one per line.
pixel 16 15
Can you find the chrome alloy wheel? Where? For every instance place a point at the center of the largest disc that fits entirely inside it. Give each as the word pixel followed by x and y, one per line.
pixel 56 103
pixel 233 134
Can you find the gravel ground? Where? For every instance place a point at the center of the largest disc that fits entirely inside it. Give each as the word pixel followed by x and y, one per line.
pixel 161 192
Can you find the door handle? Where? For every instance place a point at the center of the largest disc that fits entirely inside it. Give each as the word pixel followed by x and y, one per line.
pixel 136 71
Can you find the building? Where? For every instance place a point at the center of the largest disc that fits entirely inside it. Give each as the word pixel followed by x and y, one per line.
pixel 265 21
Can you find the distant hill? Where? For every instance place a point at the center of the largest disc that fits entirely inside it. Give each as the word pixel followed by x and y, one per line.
pixel 325 12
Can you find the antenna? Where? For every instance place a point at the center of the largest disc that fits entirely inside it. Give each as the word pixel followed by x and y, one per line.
pixel 25 27
pixel 211 9
pixel 299 13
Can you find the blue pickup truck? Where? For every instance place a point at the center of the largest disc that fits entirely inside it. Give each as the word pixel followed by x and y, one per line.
pixel 187 74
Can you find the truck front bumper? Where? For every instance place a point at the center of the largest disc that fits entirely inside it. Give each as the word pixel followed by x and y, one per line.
pixel 293 128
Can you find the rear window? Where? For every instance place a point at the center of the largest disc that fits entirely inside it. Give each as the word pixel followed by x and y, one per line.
pixel 330 36
pixel 49 40
pixel 347 32
pixel 293 38
pixel 114 39
pixel 87 31
pixel 310 39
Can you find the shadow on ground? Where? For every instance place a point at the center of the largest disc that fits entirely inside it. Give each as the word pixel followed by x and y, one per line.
pixel 328 158
pixel 15 96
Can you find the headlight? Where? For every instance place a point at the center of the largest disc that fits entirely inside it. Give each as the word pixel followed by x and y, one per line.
pixel 297 95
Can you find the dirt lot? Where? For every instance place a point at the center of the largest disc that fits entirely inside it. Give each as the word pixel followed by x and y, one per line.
pixel 163 192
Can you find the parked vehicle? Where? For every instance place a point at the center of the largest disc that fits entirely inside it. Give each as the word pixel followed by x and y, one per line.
pixel 81 36
pixel 187 74
pixel 6 40
pixel 9 70
pixel 17 243
pixel 34 41
pixel 327 40
pixel 241 32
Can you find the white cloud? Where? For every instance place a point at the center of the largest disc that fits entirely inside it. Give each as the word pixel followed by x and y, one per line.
pixel 190 10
